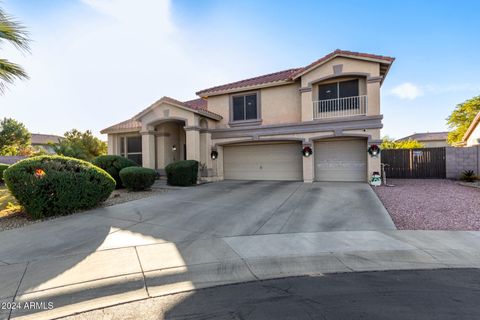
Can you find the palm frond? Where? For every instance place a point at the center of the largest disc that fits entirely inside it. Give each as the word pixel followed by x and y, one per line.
pixel 9 72
pixel 13 32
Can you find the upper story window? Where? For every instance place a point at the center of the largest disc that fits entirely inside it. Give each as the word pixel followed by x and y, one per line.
pixel 245 107
pixel 337 90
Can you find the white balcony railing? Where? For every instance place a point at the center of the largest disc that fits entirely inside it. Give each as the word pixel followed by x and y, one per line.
pixel 341 107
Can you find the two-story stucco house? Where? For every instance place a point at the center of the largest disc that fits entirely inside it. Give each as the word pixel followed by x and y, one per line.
pixel 256 129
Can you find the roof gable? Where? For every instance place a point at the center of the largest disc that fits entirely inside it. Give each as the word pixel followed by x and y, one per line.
pixel 290 75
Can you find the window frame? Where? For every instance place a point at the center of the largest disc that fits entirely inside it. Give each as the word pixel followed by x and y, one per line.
pixel 125 138
pixel 257 120
pixel 337 83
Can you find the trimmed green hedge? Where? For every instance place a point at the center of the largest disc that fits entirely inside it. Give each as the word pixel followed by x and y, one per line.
pixel 182 173
pixel 3 167
pixel 137 178
pixel 52 185
pixel 113 164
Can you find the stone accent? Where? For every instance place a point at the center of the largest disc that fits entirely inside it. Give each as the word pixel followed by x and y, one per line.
pixel 460 159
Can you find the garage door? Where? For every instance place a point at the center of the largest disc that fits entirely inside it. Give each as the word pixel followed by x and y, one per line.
pixel 278 161
pixel 341 160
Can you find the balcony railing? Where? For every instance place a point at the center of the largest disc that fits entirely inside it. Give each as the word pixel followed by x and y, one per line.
pixel 341 107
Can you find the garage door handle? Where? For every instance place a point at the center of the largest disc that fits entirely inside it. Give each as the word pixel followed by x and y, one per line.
pixel 261 167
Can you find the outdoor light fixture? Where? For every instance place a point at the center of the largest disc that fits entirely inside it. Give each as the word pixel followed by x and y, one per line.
pixel 214 155
pixel 174 148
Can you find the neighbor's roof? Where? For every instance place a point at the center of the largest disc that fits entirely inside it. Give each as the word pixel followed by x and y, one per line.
pixel 472 127
pixel 38 138
pixel 289 75
pixel 198 105
pixel 426 136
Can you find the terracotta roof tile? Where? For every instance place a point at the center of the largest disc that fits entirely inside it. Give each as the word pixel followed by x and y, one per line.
pixel 289 74
pixel 197 104
pixel 129 124
pixel 284 75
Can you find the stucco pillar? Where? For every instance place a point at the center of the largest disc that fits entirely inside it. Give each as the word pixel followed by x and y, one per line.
pixel 193 143
pixel 307 106
pixel 373 96
pixel 148 149
pixel 308 166
pixel 111 144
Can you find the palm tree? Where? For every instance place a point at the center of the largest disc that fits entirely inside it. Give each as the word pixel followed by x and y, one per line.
pixel 13 32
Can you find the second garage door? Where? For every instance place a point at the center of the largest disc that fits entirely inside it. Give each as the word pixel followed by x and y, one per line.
pixel 277 161
pixel 341 160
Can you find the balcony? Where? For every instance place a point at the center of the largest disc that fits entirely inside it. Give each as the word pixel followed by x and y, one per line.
pixel 341 107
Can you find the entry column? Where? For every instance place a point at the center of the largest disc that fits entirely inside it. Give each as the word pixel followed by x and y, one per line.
pixel 193 143
pixel 148 149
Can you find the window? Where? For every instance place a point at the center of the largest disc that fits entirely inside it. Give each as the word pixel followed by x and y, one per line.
pixel 131 148
pixel 339 90
pixel 244 107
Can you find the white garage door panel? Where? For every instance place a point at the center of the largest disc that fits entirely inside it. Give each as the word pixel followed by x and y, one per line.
pixel 281 161
pixel 342 160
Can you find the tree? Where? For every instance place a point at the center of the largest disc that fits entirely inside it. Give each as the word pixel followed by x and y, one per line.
pixel 13 32
pixel 390 143
pixel 80 145
pixel 461 118
pixel 14 138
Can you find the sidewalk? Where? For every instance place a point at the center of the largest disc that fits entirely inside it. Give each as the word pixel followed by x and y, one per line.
pixel 129 265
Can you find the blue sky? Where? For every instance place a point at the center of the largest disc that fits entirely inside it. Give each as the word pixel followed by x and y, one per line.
pixel 95 63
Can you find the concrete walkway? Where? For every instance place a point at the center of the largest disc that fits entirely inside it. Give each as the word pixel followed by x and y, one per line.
pixel 189 239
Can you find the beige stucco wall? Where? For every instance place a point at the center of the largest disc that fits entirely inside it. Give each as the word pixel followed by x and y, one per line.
pixel 280 104
pixel 474 137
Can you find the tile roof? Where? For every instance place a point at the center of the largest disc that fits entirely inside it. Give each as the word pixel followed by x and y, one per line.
pixel 130 124
pixel 284 75
pixel 426 136
pixel 339 52
pixel 39 138
pixel 198 105
pixel 290 74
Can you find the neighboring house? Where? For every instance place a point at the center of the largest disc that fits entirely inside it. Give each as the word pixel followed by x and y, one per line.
pixel 472 136
pixel 256 128
pixel 429 139
pixel 41 142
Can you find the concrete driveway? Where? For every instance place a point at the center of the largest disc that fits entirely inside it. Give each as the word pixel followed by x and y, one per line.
pixel 218 233
pixel 232 208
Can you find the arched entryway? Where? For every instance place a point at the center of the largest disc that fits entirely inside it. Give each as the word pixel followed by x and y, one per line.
pixel 170 143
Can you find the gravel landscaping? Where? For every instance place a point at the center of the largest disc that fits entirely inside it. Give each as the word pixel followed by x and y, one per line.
pixel 16 218
pixel 431 204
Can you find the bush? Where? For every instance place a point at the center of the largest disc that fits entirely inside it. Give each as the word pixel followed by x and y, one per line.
pixel 113 164
pixel 137 178
pixel 182 173
pixel 51 185
pixel 468 175
pixel 3 167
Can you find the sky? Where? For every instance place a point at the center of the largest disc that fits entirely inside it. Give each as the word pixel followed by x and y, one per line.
pixel 94 63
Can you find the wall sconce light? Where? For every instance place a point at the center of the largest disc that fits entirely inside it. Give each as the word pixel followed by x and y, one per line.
pixel 214 155
pixel 174 148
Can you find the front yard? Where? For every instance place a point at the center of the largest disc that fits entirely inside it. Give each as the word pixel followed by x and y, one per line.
pixel 12 215
pixel 431 204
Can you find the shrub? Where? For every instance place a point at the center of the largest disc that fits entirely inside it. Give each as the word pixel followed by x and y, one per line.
pixel 3 167
pixel 468 175
pixel 182 173
pixel 137 178
pixel 113 164
pixel 51 185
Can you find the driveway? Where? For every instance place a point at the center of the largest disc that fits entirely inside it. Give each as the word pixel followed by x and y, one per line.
pixel 232 208
pixel 214 234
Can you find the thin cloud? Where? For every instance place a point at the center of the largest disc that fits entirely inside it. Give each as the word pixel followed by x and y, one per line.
pixel 407 91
